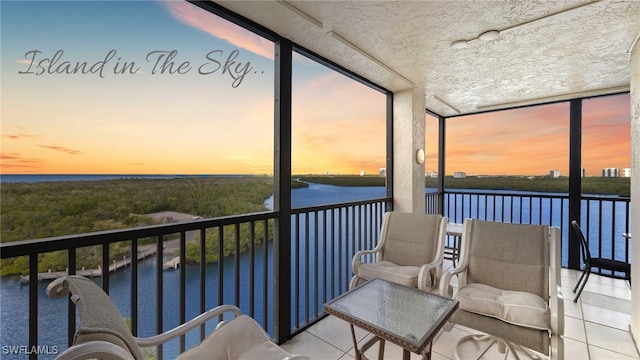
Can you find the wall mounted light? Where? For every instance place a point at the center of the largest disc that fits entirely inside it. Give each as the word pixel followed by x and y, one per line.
pixel 420 156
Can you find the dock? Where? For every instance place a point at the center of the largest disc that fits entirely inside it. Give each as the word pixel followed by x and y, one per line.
pixel 90 273
pixel 172 264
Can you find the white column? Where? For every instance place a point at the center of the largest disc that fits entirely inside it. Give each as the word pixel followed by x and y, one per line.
pixel 635 193
pixel 408 139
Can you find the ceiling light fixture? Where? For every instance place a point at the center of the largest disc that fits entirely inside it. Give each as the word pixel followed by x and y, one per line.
pixel 494 34
pixel 460 44
pixel 485 36
pixel 489 35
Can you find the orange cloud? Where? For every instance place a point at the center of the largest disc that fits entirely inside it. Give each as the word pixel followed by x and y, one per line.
pixel 220 28
pixel 12 162
pixel 61 149
pixel 19 137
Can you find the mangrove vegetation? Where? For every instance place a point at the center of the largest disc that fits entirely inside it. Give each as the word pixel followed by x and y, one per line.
pixel 47 209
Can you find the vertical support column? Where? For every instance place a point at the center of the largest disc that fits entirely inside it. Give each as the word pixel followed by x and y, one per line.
pixel 442 134
pixel 575 178
pixel 389 162
pixel 408 138
pixel 635 193
pixel 282 192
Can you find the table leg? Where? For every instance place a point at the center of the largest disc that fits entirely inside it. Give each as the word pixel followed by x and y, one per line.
pixel 381 350
pixel 355 343
pixel 406 354
pixel 426 354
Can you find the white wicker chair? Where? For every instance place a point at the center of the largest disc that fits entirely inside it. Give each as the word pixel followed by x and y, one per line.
pixel 410 252
pixel 103 334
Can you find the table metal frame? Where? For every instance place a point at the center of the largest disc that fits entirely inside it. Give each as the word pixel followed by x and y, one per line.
pixel 420 346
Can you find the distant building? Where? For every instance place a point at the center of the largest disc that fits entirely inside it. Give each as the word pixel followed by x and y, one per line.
pixel 363 173
pixel 554 174
pixel 432 174
pixel 626 172
pixel 383 171
pixel 583 172
pixel 610 172
pixel 459 175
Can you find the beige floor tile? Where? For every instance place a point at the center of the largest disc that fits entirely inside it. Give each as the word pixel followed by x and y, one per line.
pixel 613 291
pixel 569 273
pixel 337 332
pixel 567 292
pixel 603 334
pixel 572 309
pixel 605 280
pixel 574 329
pixel 575 350
pixel 447 341
pixel 391 351
pixel 606 302
pixel 597 353
pixel 608 338
pixel 309 345
pixel 347 357
pixel 606 317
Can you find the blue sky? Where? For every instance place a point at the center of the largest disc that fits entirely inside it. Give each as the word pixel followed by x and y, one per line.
pixel 218 123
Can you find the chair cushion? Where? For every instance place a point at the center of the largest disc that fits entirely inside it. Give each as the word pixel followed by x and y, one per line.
pixel 404 275
pixel 239 339
pixel 515 307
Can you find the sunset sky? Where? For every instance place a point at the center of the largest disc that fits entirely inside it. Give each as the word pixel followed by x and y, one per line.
pixel 131 115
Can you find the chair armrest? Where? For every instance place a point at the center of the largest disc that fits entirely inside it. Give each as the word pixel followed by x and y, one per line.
pixel 189 325
pixel 445 282
pixel 556 305
pixel 355 262
pixel 95 350
pixel 424 275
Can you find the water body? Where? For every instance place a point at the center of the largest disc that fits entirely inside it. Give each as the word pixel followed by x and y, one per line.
pixel 53 313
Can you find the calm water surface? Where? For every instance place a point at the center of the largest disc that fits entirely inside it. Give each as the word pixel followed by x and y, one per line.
pixel 53 313
pixel 52 325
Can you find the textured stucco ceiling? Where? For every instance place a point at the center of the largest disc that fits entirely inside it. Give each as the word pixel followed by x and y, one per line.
pixel 545 51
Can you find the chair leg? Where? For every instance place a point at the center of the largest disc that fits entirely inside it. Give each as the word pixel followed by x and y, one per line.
pixel 588 272
pixel 584 272
pixel 482 343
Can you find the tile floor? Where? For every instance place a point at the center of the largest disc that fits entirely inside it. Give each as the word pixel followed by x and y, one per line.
pixel 596 328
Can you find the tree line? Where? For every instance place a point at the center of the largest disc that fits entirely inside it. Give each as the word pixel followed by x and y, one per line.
pixel 46 209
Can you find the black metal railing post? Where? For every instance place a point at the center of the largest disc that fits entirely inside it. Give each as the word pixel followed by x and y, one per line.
pixel 575 178
pixel 282 190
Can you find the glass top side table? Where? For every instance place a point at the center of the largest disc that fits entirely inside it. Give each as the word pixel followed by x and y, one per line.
pixel 405 316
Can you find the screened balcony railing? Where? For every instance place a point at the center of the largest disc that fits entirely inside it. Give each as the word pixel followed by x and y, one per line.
pixel 603 219
pixel 156 297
